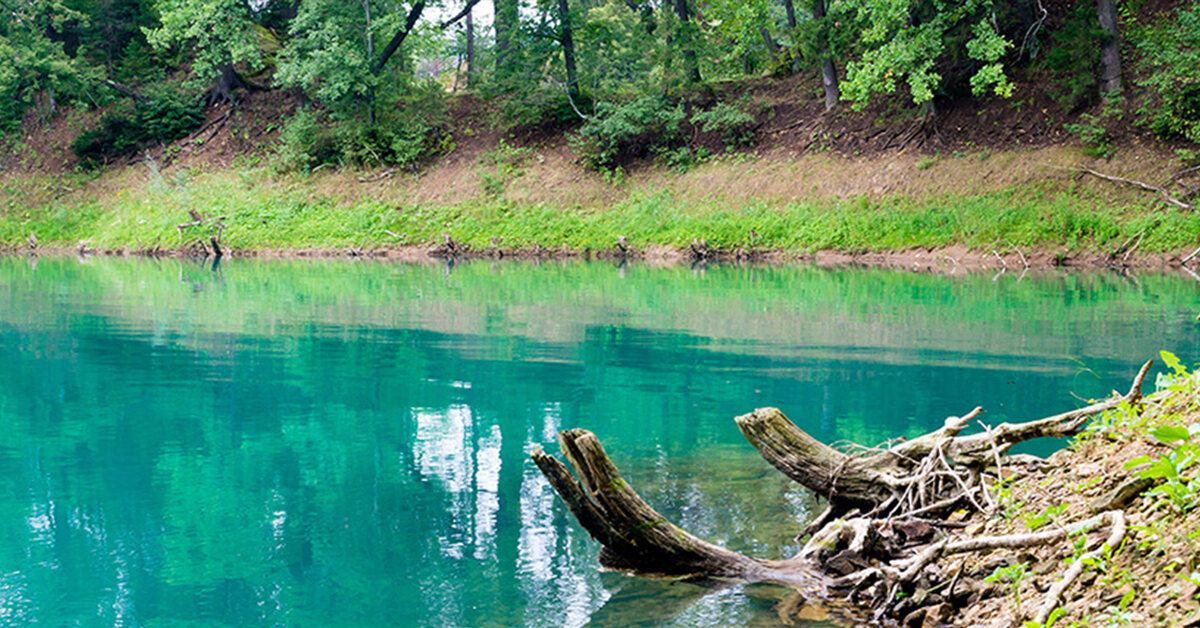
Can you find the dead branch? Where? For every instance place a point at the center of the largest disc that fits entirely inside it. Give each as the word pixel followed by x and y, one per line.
pixel 1116 519
pixel 198 221
pixel 1161 191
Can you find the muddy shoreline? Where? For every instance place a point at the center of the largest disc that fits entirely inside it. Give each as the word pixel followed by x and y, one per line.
pixel 943 259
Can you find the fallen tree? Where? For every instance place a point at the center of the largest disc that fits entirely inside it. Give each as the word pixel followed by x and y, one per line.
pixel 885 525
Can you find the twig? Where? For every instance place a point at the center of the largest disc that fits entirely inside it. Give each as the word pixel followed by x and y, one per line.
pixel 377 177
pixel 1133 248
pixel 1054 595
pixel 1139 184
pixel 196 223
pixel 1189 257
pixel 1002 261
pixel 1019 254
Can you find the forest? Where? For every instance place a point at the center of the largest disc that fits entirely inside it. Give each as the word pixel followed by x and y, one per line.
pixel 628 78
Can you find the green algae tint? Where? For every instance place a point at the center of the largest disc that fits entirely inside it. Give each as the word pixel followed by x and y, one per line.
pixel 321 443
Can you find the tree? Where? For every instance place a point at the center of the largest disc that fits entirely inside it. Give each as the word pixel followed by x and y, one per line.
pixel 505 23
pixel 685 37
pixel 568 45
pixel 1110 48
pixel 217 33
pixel 829 78
pixel 905 39
pixel 36 62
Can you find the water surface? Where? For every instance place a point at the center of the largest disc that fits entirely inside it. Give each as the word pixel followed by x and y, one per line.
pixel 318 443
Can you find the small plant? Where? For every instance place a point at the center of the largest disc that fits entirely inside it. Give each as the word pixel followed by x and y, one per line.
pixel 927 163
pixel 1092 130
pixel 1011 576
pixel 164 118
pixel 509 164
pixel 1033 522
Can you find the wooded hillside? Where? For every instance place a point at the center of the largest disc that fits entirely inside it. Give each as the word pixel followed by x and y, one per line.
pixel 380 83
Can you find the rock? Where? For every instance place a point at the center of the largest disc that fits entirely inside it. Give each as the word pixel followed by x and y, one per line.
pixel 937 615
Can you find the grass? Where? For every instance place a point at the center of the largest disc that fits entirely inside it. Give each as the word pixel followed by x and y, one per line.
pixel 267 212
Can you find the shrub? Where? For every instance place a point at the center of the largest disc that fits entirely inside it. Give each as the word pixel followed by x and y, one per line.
pixel 166 117
pixel 403 135
pixel 1170 69
pixel 731 122
pixel 619 134
pixel 306 141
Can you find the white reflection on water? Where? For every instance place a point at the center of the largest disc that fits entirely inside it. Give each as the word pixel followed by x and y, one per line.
pixel 487 493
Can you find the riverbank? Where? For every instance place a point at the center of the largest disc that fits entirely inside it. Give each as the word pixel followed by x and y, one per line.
pixel 1004 209
pixel 1129 460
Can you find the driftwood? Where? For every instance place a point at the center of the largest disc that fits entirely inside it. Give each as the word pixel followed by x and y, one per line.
pixel 881 530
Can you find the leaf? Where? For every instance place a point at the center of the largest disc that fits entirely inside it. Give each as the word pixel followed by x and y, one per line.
pixel 1172 362
pixel 1139 461
pixel 1168 433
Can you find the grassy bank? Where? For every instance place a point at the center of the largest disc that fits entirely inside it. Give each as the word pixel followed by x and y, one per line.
pixel 524 207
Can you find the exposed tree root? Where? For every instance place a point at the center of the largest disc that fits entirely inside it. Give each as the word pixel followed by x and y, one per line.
pixel 881 532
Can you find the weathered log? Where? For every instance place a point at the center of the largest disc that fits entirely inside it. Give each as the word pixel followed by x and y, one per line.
pixel 928 474
pixel 634 536
pixel 865 482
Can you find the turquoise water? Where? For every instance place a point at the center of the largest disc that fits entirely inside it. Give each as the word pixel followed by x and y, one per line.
pixel 320 443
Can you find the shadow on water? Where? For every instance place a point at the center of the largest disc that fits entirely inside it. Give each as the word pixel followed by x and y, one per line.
pixel 258 442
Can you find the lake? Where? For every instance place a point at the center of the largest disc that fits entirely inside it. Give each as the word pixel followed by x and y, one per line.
pixel 325 443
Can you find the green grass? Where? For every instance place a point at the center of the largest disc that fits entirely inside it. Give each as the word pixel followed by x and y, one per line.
pixel 292 213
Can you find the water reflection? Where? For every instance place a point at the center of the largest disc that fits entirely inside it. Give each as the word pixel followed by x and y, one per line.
pixel 326 443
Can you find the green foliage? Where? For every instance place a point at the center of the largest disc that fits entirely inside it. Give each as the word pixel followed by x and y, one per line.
pixel 906 39
pixel 1176 488
pixel 1092 128
pixel 414 130
pixel 619 134
pixel 733 123
pixel 1011 576
pixel 35 64
pixel 1072 58
pixel 501 166
pixel 1170 71
pixel 167 117
pixel 1033 522
pixel 307 141
pixel 216 32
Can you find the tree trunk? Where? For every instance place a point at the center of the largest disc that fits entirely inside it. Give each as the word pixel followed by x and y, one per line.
pixel 1110 48
pixel 507 15
pixel 829 78
pixel 691 65
pixel 772 47
pixel 471 69
pixel 227 81
pixel 568 45
pixel 410 22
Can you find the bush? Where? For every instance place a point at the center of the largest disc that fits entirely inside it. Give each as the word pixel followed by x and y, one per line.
pixel 414 129
pixel 1170 69
pixel 619 134
pixel 165 118
pixel 306 141
pixel 731 122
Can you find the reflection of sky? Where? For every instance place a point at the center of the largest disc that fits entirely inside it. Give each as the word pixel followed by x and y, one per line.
pixel 237 456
